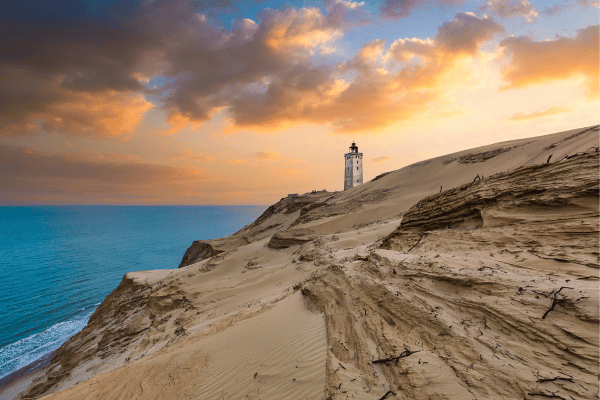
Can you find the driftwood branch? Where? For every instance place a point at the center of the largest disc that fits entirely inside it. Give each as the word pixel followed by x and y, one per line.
pixel 418 241
pixel 550 396
pixel 556 378
pixel 554 301
pixel 548 160
pixel 404 354
pixel 386 395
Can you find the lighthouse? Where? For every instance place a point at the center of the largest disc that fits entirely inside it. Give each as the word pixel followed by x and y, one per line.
pixel 354 170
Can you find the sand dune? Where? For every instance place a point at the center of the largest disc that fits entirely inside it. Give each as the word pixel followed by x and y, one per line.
pixel 468 276
pixel 282 356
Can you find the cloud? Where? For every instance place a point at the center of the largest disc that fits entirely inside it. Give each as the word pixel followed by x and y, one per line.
pixel 29 106
pixel 534 62
pixel 347 13
pixel 368 55
pixel 463 35
pixel 382 159
pixel 511 8
pixel 188 155
pixel 589 3
pixel 292 172
pixel 56 56
pixel 261 73
pixel 568 6
pixel 237 161
pixel 545 113
pixel 230 69
pixel 77 68
pixel 268 155
pixel 294 29
pixel 402 8
pixel 378 95
pixel 29 176
pixel 466 33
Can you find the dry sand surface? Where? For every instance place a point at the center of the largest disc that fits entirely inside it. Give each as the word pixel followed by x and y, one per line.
pixel 468 276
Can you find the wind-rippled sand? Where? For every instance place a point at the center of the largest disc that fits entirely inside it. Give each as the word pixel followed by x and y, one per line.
pixel 468 276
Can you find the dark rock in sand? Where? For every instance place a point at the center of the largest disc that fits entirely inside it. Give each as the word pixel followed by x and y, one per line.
pixel 292 237
pixel 197 252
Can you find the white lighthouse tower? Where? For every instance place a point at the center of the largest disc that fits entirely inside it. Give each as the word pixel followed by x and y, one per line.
pixel 354 171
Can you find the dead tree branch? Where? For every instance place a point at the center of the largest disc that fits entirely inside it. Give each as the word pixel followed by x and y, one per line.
pixel 550 396
pixel 555 301
pixel 404 354
pixel 386 395
pixel 556 378
pixel 418 241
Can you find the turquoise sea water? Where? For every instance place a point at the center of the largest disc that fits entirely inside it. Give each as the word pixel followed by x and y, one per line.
pixel 57 263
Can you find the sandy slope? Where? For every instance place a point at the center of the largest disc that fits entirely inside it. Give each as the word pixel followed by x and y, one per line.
pixel 283 352
pixel 451 280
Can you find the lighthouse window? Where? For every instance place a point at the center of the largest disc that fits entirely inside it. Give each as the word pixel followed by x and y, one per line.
pixel 357 167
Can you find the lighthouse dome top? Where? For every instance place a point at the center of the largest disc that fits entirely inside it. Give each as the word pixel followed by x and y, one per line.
pixel 354 148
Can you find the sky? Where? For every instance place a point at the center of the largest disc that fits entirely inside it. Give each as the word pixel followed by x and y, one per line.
pixel 229 102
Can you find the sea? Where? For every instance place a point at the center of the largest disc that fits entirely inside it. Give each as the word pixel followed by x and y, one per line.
pixel 58 263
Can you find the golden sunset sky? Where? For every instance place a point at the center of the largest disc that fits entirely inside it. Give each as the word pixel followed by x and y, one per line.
pixel 243 102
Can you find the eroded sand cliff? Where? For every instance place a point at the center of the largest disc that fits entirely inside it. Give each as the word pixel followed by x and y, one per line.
pixel 468 276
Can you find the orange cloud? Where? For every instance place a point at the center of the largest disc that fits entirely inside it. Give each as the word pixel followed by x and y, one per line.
pixel 292 172
pixel 512 8
pixel 52 107
pixel 466 33
pixel 297 28
pixel 378 95
pixel 95 114
pixel 370 52
pixel 569 5
pixel 179 121
pixel 402 8
pixel 261 72
pixel 382 159
pixel 545 113
pixel 308 28
pixel 268 155
pixel 29 176
pixel 535 62
pixel 188 155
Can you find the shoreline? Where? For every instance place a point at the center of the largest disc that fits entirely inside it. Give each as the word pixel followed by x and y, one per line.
pixel 15 382
pixel 41 334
